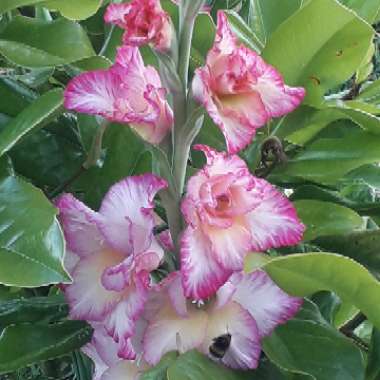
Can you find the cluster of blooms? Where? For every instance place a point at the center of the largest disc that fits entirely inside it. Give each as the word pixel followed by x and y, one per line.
pixel 113 253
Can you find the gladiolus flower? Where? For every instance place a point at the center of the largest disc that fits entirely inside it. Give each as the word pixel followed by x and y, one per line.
pixel 144 21
pixel 248 307
pixel 111 254
pixel 128 92
pixel 229 214
pixel 239 90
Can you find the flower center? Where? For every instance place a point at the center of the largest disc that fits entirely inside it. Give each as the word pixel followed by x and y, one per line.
pixel 223 202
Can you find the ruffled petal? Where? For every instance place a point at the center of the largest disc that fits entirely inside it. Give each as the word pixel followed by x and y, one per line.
pixel 126 214
pixel 121 321
pixel 78 222
pixel 278 98
pixel 201 273
pixel 264 300
pixel 245 348
pixel 93 92
pixel 115 14
pixel 87 297
pixel 168 331
pixel 274 222
pixel 104 345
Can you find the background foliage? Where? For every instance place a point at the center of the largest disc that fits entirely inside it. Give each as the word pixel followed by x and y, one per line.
pixel 332 173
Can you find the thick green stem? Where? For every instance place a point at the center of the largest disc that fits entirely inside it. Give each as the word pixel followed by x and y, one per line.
pixel 185 127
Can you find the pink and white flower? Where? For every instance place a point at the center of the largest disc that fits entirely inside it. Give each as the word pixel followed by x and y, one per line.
pixel 248 307
pixel 128 92
pixel 239 90
pixel 144 21
pixel 112 252
pixel 230 213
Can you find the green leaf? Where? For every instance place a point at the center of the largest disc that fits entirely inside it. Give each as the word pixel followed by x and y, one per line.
pixel 328 159
pixel 373 364
pixel 265 16
pixel 319 47
pixel 14 97
pixel 31 241
pixel 362 246
pixel 371 93
pixel 48 157
pixel 195 366
pixel 359 116
pixel 35 309
pixel 329 355
pixel 243 32
pixel 304 274
pixel 35 43
pixel 24 344
pixel 74 9
pixel 368 9
pixel 8 5
pixel 326 218
pixel 34 116
pixel 159 371
pixel 123 151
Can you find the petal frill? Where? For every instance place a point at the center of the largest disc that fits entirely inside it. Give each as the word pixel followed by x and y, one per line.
pixel 78 222
pixel 126 214
pixel 274 222
pixel 264 300
pixel 245 347
pixel 121 321
pixel 94 92
pixel 87 297
pixel 115 14
pixel 202 275
pixel 278 98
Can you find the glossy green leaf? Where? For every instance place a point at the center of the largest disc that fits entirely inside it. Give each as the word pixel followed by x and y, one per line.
pixel 74 9
pixel 41 111
pixel 35 43
pixel 328 159
pixel 25 344
pixel 329 355
pixel 159 371
pixel 319 47
pixel 8 5
pixel 326 218
pixel 31 241
pixel 35 309
pixel 195 366
pixel 243 32
pixel 362 246
pixel 371 93
pixel 14 97
pixel 373 365
pixel 368 9
pixel 363 207
pixel 304 274
pixel 265 16
pixel 48 157
pixel 361 117
pixel 122 151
